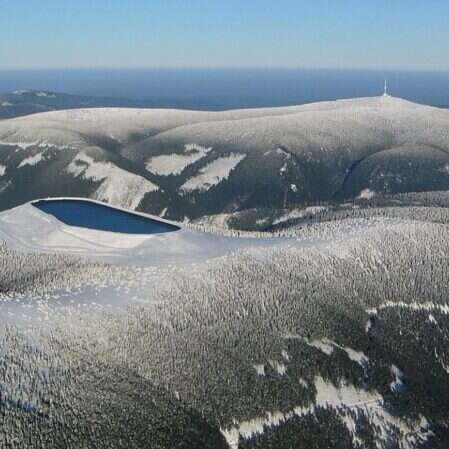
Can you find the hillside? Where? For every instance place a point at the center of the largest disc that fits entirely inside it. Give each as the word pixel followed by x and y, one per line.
pixel 192 339
pixel 187 164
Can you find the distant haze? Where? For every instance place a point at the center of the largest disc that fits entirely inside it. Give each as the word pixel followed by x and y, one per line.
pixel 216 89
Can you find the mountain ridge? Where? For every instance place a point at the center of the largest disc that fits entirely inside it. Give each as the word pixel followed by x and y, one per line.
pixel 203 163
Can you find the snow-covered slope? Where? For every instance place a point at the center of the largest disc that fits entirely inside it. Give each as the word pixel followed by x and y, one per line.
pixel 192 339
pixel 191 164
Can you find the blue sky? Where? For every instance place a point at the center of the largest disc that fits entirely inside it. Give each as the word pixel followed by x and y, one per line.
pixel 383 34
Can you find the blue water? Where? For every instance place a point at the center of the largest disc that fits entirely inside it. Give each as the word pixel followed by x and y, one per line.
pixel 215 89
pixel 91 215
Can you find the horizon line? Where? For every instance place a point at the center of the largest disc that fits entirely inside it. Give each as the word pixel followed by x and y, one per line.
pixel 224 68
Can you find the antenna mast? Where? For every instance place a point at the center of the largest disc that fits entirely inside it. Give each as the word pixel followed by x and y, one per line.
pixel 385 89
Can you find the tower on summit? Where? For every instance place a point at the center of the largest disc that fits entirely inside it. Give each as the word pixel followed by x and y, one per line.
pixel 385 89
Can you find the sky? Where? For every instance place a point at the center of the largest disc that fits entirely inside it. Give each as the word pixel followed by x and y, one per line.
pixel 346 34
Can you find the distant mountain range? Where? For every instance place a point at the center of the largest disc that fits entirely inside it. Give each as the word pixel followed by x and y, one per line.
pixel 26 102
pixel 191 164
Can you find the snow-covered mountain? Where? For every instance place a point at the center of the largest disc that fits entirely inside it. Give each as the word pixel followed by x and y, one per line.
pixel 333 337
pixel 191 164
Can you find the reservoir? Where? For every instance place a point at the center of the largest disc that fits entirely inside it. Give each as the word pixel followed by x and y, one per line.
pixel 91 215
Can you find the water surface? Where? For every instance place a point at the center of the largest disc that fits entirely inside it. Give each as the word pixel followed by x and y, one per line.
pixel 87 214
